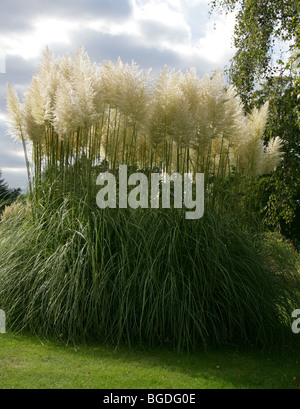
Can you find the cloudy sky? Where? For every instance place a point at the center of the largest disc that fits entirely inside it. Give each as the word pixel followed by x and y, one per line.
pixel 153 33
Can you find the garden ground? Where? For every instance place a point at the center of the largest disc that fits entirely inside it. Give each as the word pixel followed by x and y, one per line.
pixel 27 362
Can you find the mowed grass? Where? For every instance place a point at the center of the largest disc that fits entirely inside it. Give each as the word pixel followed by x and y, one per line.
pixel 29 363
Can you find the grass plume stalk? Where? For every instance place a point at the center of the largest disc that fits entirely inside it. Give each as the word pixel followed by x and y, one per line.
pixel 143 275
pixel 77 115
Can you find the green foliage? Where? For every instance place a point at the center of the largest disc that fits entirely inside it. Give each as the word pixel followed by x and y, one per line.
pixel 286 256
pixel 258 78
pixel 259 24
pixel 282 210
pixel 145 276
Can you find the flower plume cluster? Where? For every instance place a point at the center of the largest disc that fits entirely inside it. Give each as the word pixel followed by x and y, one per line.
pixel 116 113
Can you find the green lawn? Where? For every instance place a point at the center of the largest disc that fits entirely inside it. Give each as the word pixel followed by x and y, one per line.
pixel 26 362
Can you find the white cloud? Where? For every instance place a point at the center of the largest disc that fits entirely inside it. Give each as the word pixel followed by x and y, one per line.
pixel 14 170
pixel 193 3
pixel 166 12
pixel 171 25
pixel 2 60
pixel 3 118
pixel 129 27
pixel 216 45
pixel 44 32
pixel 164 24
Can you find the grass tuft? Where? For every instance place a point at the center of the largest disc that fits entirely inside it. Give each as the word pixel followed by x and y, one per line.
pixel 126 276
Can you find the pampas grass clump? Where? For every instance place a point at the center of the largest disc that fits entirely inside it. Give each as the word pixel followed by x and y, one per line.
pixel 143 275
pixel 128 276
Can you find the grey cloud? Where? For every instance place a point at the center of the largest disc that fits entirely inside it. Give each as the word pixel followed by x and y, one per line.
pixel 8 150
pixel 101 47
pixel 19 70
pixel 2 97
pixel 156 31
pixel 17 15
pixel 106 47
pixel 19 73
pixel 10 158
pixel 16 180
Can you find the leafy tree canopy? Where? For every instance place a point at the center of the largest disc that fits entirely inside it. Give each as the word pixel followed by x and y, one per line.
pixel 7 195
pixel 259 24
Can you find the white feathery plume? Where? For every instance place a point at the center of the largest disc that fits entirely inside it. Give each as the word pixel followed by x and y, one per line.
pixel 65 120
pixel 190 85
pixel 182 126
pixel 40 102
pixel 164 95
pixel 273 155
pixel 46 80
pixel 34 124
pixel 16 114
pixel 133 92
pixel 76 95
pixel 172 112
pixel 214 101
pixel 82 82
pixel 111 77
pixel 235 124
pixel 195 92
pixel 98 95
pixel 251 150
pixel 257 121
pixel 210 113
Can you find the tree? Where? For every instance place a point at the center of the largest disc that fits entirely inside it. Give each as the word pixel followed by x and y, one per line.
pixel 7 195
pixel 3 188
pixel 260 25
pixel 282 211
